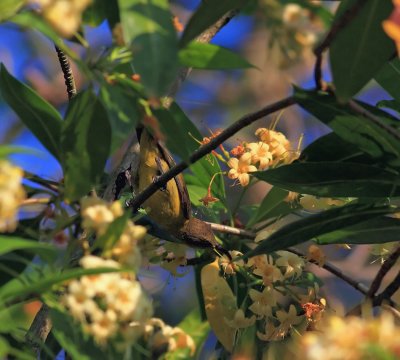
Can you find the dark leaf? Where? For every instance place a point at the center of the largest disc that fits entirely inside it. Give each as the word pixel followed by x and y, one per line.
pixel 361 48
pixel 313 226
pixel 389 76
pixel 271 201
pixel 375 231
pixel 334 179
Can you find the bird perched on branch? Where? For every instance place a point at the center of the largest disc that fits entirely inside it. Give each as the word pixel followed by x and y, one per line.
pixel 170 206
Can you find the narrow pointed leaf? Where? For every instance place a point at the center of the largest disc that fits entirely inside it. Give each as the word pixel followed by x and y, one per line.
pixel 313 226
pixel 334 179
pixel 375 231
pixel 36 113
pixel 206 15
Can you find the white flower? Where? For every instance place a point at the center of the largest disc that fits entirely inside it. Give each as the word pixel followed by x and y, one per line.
pixel 240 321
pixel 12 195
pixel 240 168
pixel 262 301
pixel 292 263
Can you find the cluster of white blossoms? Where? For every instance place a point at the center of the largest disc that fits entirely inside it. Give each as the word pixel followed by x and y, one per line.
pixel 273 149
pixel 12 194
pixel 110 305
pixel 352 338
pixel 97 215
pixel 163 338
pixel 277 274
pixel 64 16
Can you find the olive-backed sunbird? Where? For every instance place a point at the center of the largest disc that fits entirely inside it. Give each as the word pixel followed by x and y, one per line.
pixel 170 206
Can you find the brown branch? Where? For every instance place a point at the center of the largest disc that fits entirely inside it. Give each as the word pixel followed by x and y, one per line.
pixel 207 148
pixel 385 268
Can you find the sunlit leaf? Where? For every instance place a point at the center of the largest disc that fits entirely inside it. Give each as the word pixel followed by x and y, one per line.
pixel 123 111
pixel 148 30
pixel 208 56
pixel 220 304
pixel 36 113
pixel 85 141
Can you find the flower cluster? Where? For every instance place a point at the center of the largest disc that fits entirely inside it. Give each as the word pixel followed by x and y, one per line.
pixel 272 150
pixel 109 305
pixel 63 15
pixel 98 215
pixel 276 276
pixel 162 338
pixel 352 338
pixel 11 195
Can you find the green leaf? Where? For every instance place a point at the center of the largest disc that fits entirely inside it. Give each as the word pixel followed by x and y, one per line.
pixel 374 231
pixel 85 141
pixel 78 344
pixel 206 15
pixel 123 112
pixel 271 201
pixel 389 76
pixel 368 136
pixel 389 104
pixel 6 150
pixel 100 10
pixel 313 226
pixel 334 179
pixel 35 283
pixel 36 113
pixel 32 20
pixel 8 8
pixel 176 125
pixel 11 243
pixel 361 48
pixel 208 56
pixel 113 233
pixel 148 30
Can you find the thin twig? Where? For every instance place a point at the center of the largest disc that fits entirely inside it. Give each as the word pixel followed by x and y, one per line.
pixel 207 148
pixel 335 271
pixel 232 230
pixel 385 268
pixel 66 69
